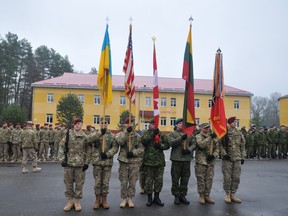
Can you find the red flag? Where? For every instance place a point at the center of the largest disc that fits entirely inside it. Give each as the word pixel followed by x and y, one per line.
pixel 217 115
pixel 128 69
pixel 187 75
pixel 155 94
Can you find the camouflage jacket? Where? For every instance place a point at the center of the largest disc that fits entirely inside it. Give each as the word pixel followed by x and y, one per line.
pixel 15 136
pixel 44 135
pixel 122 139
pixel 271 137
pixel 28 139
pixel 51 135
pixel 282 137
pixel 37 135
pixel 178 144
pixel 111 148
pixel 78 149
pixel 260 138
pixel 235 146
pixel 154 156
pixel 203 143
pixel 58 135
pixel 250 138
pixel 5 134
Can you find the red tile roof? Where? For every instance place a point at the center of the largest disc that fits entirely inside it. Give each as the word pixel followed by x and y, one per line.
pixel 76 80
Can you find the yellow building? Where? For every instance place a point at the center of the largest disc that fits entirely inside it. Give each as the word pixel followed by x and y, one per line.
pixel 283 107
pixel 46 94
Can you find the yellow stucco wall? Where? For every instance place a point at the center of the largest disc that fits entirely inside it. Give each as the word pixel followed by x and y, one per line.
pixel 41 107
pixel 283 106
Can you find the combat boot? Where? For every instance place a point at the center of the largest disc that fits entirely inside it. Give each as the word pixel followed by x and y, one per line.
pixel 209 200
pixel 97 202
pixel 234 198
pixel 104 201
pixel 77 205
pixel 36 169
pixel 123 203
pixel 177 200
pixel 227 198
pixel 24 169
pixel 183 199
pixel 130 203
pixel 69 205
pixel 157 199
pixel 201 199
pixel 149 201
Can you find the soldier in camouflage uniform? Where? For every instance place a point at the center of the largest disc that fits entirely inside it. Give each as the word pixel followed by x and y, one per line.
pixel 154 161
pixel 102 162
pixel 260 138
pixel 5 134
pixel 282 138
pixel 44 143
pixel 129 162
pixel 51 141
pixel 76 164
pixel 16 143
pixel 58 135
pixel 204 163
pixel 37 131
pixel 271 141
pixel 232 149
pixel 181 156
pixel 29 148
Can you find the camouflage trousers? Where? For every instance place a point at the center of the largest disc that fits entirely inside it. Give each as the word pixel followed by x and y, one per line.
pixel 180 172
pixel 74 179
pixel 29 153
pixel 56 150
pixel 204 175
pixel 51 146
pixel 128 176
pixel 282 149
pixel 102 176
pixel 4 151
pixel 43 151
pixel 272 149
pixel 16 152
pixel 154 179
pixel 231 174
pixel 142 176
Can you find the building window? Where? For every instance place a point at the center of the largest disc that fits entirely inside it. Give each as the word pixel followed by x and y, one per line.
pixel 148 101
pixel 210 103
pixel 173 102
pixel 163 121
pixel 49 118
pixel 107 118
pixel 236 104
pixel 172 121
pixel 96 99
pixel 146 126
pixel 163 102
pixel 96 119
pixel 50 98
pixel 81 98
pixel 197 121
pixel 123 100
pixel 196 103
pixel 237 123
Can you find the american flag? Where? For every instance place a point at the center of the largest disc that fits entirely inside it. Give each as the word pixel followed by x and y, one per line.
pixel 128 69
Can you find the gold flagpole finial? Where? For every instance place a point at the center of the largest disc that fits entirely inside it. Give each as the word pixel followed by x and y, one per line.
pixel 153 39
pixel 190 19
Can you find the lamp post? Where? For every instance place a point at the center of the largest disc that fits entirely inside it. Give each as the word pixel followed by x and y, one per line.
pixel 144 100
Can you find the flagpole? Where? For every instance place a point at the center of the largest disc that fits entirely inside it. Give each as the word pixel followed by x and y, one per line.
pixel 104 109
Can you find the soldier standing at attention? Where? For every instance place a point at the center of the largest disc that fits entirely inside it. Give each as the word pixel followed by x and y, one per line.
pixel 76 164
pixel 29 148
pixel 131 150
pixel 102 162
pixel 233 151
pixel 16 143
pixel 44 143
pixel 51 141
pixel 5 133
pixel 58 135
pixel 204 163
pixel 181 156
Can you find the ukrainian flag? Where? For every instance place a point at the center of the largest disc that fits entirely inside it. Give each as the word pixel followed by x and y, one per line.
pixel 104 79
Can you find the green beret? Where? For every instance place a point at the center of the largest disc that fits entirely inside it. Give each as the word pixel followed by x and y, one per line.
pixel 152 121
pixel 179 120
pixel 205 125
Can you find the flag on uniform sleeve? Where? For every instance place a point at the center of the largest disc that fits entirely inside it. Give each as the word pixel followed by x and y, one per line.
pixel 104 79
pixel 217 114
pixel 187 75
pixel 128 69
pixel 155 94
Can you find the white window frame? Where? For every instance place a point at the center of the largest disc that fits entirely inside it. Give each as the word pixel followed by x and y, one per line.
pixel 172 121
pixel 49 118
pixel 173 102
pixel 148 101
pixel 50 98
pixel 163 121
pixel 107 118
pixel 96 119
pixel 197 121
pixel 81 98
pixel 236 104
pixel 97 99
pixel 122 100
pixel 210 102
pixel 197 103
pixel 237 123
pixel 163 101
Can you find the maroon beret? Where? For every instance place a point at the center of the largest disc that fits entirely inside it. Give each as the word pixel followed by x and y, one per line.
pixel 76 120
pixel 231 119
pixel 127 121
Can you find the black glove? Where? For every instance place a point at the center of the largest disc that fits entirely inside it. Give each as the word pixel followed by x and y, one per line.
pixel 242 161
pixel 210 158
pixel 64 163
pixel 156 131
pixel 185 151
pixel 213 135
pixel 95 144
pixel 184 137
pixel 85 167
pixel 129 129
pixel 226 157
pixel 21 149
pixel 103 130
pixel 130 154
pixel 103 155
pixel 157 146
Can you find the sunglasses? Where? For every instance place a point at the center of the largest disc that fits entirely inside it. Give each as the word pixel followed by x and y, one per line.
pixel 104 122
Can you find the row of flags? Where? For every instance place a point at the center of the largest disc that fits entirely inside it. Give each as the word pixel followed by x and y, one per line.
pixel 217 115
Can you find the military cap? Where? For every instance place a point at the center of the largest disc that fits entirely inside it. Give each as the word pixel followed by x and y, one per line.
pixel 205 125
pixel 76 120
pixel 88 126
pixel 282 125
pixel 45 124
pixel 18 123
pixel 41 127
pixel 127 121
pixel 179 120
pixel 231 119
pixel 4 123
pixel 25 125
pixel 37 125
pixel 57 123
pixel 50 125
pixel 10 123
pixel 152 121
pixel 29 123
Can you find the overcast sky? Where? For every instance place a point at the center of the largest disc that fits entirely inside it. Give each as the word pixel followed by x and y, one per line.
pixel 252 34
